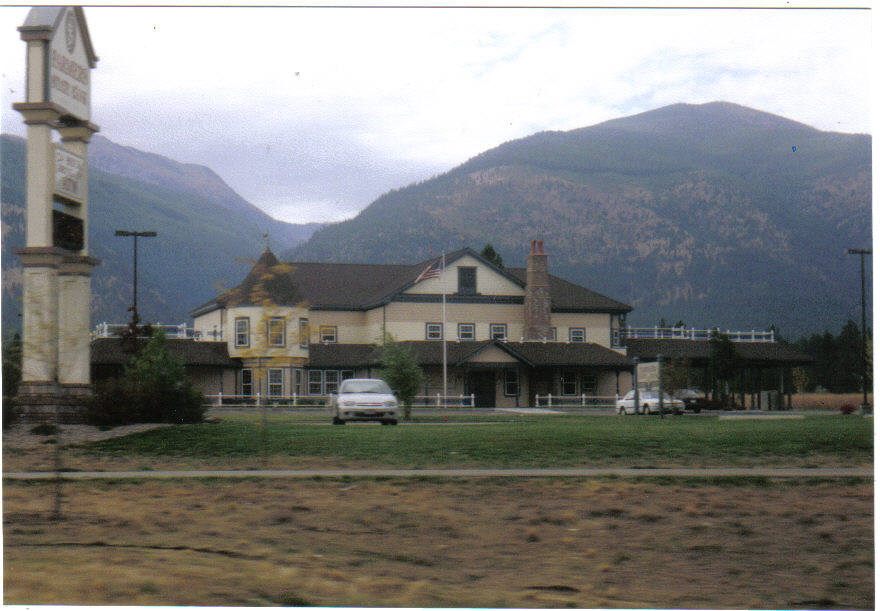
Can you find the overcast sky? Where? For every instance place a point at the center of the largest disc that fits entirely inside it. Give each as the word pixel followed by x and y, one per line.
pixel 312 113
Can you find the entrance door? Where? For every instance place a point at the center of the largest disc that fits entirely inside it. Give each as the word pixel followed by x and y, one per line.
pixel 482 385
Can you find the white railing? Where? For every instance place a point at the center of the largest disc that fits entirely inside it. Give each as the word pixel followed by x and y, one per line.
pixel 439 400
pixel 260 400
pixel 562 401
pixel 180 331
pixel 694 334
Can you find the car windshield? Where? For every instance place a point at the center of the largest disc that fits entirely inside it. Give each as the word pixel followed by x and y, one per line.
pixel 365 386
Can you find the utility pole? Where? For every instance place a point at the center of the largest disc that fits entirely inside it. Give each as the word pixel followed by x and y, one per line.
pixel 135 319
pixel 866 408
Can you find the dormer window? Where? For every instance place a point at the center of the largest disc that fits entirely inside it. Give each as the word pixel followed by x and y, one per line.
pixel 467 280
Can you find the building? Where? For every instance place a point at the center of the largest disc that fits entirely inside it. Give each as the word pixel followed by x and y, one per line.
pixel 508 334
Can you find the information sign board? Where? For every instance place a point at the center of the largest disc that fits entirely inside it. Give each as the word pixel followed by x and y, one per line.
pixel 70 175
pixel 69 74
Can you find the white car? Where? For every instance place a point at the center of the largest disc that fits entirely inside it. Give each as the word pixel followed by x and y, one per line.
pixel 649 403
pixel 364 399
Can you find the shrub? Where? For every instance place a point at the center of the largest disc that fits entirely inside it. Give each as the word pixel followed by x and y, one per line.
pixel 154 388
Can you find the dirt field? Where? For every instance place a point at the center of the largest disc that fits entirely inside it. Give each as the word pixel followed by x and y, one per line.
pixel 829 401
pixel 517 543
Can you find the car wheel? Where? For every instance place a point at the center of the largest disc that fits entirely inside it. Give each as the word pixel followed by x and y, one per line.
pixel 338 420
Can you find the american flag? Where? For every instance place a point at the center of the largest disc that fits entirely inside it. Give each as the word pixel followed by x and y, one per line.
pixel 432 271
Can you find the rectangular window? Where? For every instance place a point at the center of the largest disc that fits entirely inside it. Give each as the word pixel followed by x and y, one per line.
pixel 569 384
pixel 589 384
pixel 247 382
pixel 298 381
pixel 467 280
pixel 577 334
pixel 466 331
pixel 511 383
pixel 498 331
pixel 552 337
pixel 327 334
pixel 316 382
pixel 276 382
pixel 304 333
pixel 242 332
pixel 275 331
pixel 433 330
pixel 331 382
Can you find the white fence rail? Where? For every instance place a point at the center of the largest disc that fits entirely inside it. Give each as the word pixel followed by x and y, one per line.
pixel 563 401
pixel 105 329
pixel 693 334
pixel 260 400
pixel 439 400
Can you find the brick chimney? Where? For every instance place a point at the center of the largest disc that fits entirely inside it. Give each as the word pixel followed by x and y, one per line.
pixel 537 298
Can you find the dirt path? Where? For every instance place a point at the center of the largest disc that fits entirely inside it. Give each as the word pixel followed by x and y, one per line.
pixel 538 542
pixel 415 473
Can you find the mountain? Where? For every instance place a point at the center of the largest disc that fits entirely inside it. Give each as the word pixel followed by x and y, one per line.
pixel 202 226
pixel 713 214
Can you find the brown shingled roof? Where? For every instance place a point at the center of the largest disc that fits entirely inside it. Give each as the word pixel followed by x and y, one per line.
pixel 360 286
pixel 426 352
pixel 757 352
pixel 110 351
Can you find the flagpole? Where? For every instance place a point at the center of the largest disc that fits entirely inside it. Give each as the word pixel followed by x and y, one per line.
pixel 443 299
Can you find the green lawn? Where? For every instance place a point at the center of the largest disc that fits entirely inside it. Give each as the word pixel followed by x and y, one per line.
pixel 521 442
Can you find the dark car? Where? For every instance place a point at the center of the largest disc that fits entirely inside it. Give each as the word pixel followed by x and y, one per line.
pixel 695 401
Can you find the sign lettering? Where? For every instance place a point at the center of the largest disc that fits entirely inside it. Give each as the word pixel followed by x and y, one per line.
pixel 70 175
pixel 69 74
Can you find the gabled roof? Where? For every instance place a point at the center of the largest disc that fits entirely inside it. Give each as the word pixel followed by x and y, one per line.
pixel 42 22
pixel 426 352
pixel 363 286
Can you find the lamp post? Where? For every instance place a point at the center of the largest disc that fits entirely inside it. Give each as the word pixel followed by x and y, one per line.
pixel 135 319
pixel 865 407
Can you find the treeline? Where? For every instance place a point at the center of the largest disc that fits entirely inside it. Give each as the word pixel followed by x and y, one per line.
pixel 837 365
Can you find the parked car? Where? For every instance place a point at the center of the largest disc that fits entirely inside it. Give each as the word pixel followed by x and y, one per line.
pixel 649 403
pixel 696 401
pixel 364 399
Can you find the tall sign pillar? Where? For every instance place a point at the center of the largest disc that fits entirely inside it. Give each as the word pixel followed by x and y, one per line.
pixel 57 268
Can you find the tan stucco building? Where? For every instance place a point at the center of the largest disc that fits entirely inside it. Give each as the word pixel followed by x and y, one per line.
pixel 510 333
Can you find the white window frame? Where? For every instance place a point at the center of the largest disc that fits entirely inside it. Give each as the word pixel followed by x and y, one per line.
pixel 494 330
pixel 304 333
pixel 331 381
pixel 327 334
pixel 316 377
pixel 467 331
pixel 298 381
pixel 568 377
pixel 247 388
pixel 275 387
pixel 242 329
pixel 573 331
pixel 434 330
pixel 279 334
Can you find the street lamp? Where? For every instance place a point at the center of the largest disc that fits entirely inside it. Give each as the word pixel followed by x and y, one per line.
pixel 135 319
pixel 865 407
